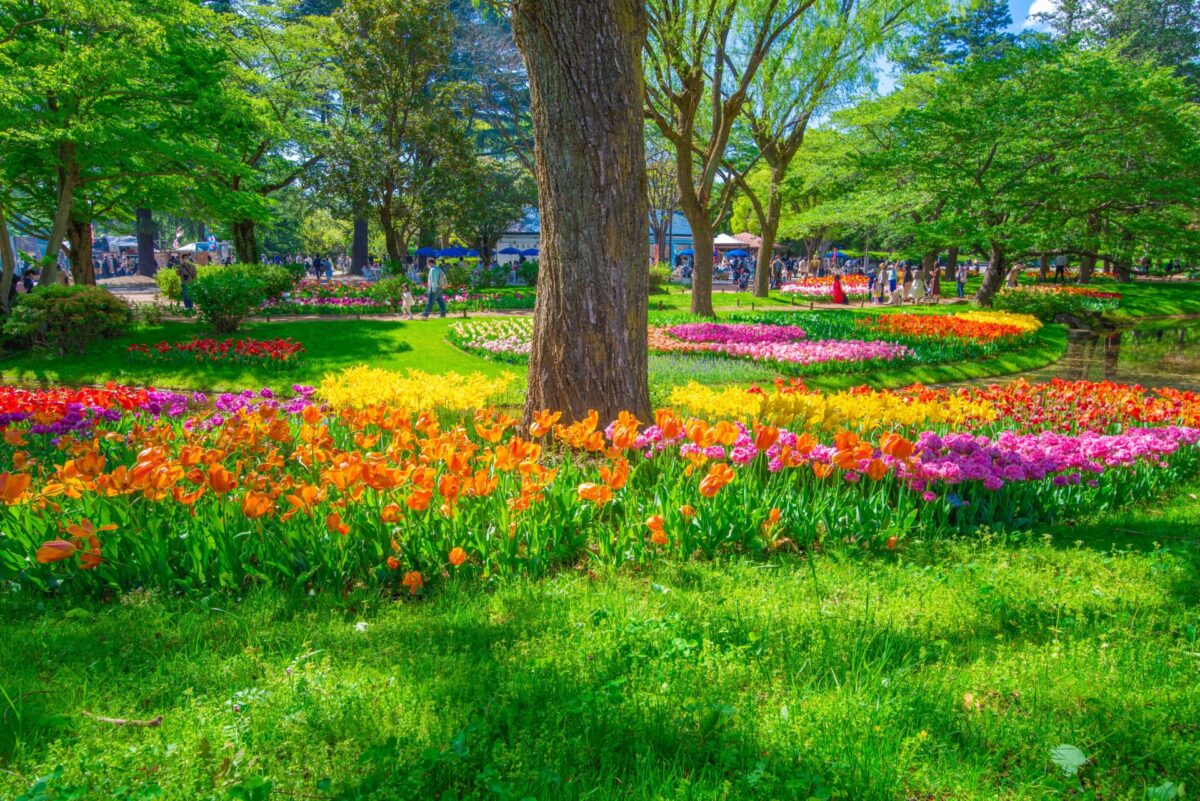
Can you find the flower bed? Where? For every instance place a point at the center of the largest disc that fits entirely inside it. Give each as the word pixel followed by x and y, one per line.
pixel 975 326
pixel 360 297
pixel 266 352
pixel 183 494
pixel 820 290
pixel 1048 301
pixel 828 341
pixel 499 340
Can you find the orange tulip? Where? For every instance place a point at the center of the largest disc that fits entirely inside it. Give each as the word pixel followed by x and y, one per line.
pixel 56 551
pixel 822 470
pixel 657 535
pixel 220 479
pixel 13 486
pixel 257 504
pixel 876 469
pixel 13 437
pixel 670 425
pixel 543 423
pixel 419 499
pixel 457 556
pixel 598 494
pixel 719 475
pixel 413 581
pixel 897 446
pixel 449 486
pixel 393 563
pixel 616 476
pixel 688 511
pixel 765 437
pixel 845 440
pixel 392 513
pixel 333 522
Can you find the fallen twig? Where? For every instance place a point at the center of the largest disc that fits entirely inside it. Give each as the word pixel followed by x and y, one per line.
pixel 154 721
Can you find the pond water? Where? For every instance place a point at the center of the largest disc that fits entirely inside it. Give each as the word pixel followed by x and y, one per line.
pixel 1163 353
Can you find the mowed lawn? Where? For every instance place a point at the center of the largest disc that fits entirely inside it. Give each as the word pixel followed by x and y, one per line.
pixel 1055 664
pixel 337 343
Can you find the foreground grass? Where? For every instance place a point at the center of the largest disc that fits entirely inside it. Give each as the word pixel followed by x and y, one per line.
pixel 943 670
pixel 338 343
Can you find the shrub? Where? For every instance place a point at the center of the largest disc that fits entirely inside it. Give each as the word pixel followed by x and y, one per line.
pixel 149 313
pixel 169 284
pixel 391 290
pixel 528 272
pixel 295 269
pixel 67 318
pixel 227 296
pixel 660 275
pixel 276 279
pixel 458 275
pixel 393 268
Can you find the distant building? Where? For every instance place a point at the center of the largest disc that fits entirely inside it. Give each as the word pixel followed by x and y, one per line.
pixel 526 233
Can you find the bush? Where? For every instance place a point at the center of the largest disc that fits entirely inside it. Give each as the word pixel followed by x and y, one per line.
pixel 660 276
pixel 227 296
pixel 458 275
pixel 169 284
pixel 528 272
pixel 391 290
pixel 276 279
pixel 393 268
pixel 67 318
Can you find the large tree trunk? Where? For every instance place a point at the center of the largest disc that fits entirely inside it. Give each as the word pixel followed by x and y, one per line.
pixel 147 264
pixel 1087 264
pixel 951 263
pixel 928 265
pixel 702 266
pixel 585 74
pixel 770 231
pixel 68 179
pixel 8 261
pixel 79 237
pixel 1044 268
pixel 245 241
pixel 358 248
pixel 993 276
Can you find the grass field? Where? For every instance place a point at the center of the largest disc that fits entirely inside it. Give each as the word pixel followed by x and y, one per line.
pixel 966 669
pixel 338 343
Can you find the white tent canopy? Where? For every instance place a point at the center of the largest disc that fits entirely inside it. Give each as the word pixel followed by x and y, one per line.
pixel 726 241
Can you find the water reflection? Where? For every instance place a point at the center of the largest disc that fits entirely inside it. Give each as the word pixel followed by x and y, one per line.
pixel 1165 354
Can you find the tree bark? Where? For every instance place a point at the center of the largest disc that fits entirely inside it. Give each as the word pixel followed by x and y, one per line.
pixel 79 237
pixel 358 248
pixel 8 261
pixel 68 179
pixel 766 252
pixel 585 73
pixel 245 242
pixel 147 264
pixel 993 276
pixel 928 265
pixel 951 263
pixel 1044 268
pixel 702 266
pixel 1087 263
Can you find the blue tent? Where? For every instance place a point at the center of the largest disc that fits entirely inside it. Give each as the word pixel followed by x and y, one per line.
pixel 450 253
pixel 688 252
pixel 529 252
pixel 737 254
pixel 472 254
pixel 510 251
pixel 426 251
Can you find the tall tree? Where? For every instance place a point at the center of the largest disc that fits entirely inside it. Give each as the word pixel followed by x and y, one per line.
pixel 585 70
pixel 662 196
pixel 496 194
pixel 701 57
pixel 979 29
pixel 97 97
pixel 819 61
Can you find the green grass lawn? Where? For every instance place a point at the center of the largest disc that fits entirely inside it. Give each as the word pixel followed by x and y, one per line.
pixel 945 670
pixel 337 343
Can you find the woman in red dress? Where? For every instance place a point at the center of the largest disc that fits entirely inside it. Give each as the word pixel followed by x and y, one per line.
pixel 839 295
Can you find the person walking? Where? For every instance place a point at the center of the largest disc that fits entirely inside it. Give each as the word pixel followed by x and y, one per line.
pixel 187 274
pixel 436 283
pixel 1060 268
pixel 960 279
